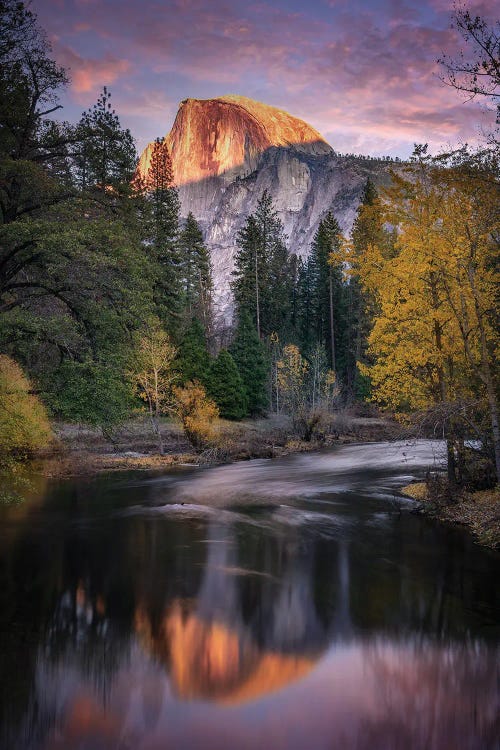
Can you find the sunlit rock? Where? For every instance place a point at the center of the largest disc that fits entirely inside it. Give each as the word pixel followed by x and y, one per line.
pixel 227 151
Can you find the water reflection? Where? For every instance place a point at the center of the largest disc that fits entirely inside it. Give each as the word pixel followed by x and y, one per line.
pixel 213 651
pixel 322 623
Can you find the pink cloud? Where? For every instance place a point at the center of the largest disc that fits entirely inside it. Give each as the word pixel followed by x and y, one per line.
pixel 374 75
pixel 90 74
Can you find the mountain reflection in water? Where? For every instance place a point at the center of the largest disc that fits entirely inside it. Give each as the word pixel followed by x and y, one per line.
pixel 312 615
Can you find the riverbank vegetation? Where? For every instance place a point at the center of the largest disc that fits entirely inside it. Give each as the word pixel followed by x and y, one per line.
pixel 478 510
pixel 82 450
pixel 106 292
pixel 432 288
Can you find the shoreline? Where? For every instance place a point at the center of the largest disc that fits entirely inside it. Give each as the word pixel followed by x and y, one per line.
pixel 73 465
pixel 81 451
pixel 478 512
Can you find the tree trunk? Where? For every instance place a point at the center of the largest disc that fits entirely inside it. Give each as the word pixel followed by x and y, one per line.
pixel 332 332
pixel 495 425
pixel 257 311
pixel 157 431
pixel 487 376
pixel 451 462
pixel 450 447
pixel 156 415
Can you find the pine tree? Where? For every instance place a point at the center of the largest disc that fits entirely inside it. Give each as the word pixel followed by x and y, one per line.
pixel 250 357
pixel 327 292
pixel 105 157
pixel 193 359
pixel 196 273
pixel 277 275
pixel 368 230
pixel 305 312
pixel 249 268
pixel 226 387
pixel 162 227
pixel 278 300
pixel 264 273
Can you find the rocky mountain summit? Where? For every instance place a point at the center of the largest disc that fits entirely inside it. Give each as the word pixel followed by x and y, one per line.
pixel 227 151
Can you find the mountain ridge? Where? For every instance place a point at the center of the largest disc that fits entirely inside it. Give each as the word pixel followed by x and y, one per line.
pixel 227 150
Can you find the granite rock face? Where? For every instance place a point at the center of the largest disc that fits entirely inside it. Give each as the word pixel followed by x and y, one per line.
pixel 227 151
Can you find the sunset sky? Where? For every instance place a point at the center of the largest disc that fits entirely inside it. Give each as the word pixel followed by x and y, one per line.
pixel 362 72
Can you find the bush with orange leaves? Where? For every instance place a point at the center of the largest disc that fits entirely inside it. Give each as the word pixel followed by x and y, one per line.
pixel 197 414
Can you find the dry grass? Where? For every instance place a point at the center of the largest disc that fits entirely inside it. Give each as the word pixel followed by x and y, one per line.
pixel 478 511
pixel 81 450
pixel 416 490
pixel 84 464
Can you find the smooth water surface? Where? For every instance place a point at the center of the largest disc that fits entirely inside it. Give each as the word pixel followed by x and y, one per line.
pixel 294 603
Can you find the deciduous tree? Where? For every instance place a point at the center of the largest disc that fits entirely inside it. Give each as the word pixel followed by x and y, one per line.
pixel 476 70
pixel 197 413
pixel 433 337
pixel 154 374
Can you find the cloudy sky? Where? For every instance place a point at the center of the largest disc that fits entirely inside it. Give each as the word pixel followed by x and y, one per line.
pixel 363 72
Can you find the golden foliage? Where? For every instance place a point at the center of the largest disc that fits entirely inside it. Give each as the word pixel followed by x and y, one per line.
pixel 24 426
pixel 432 336
pixel 292 373
pixel 153 371
pixel 197 414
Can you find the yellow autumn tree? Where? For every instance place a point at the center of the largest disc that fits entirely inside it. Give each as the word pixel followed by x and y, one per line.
pixel 154 374
pixel 24 426
pixel 306 389
pixel 432 337
pixel 469 233
pixel 292 371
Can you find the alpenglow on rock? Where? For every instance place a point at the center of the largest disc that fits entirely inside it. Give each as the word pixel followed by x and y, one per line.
pixel 227 151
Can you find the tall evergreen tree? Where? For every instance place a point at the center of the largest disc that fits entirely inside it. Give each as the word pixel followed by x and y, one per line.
pixel 193 359
pixel 368 230
pixel 305 304
pixel 196 273
pixel 250 264
pixel 226 387
pixel 264 273
pixel 105 157
pixel 325 314
pixel 278 301
pixel 162 228
pixel 250 357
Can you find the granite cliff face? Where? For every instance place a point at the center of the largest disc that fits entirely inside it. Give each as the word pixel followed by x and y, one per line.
pixel 227 151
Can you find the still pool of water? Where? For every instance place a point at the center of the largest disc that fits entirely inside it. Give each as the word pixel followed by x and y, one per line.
pixel 294 603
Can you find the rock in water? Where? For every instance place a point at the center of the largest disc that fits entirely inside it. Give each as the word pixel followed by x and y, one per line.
pixel 227 151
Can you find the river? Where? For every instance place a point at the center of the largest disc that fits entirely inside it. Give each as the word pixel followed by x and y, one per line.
pixel 293 604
